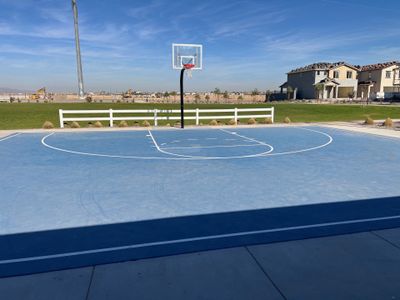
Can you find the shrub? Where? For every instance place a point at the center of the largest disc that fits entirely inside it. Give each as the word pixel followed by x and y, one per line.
pixel 266 121
pixel 47 125
pixel 251 121
pixel 98 124
pixel 287 120
pixel 123 124
pixel 168 125
pixel 232 122
pixel 213 123
pixel 369 121
pixel 388 122
pixel 136 123
pixel 75 125
pixel 146 123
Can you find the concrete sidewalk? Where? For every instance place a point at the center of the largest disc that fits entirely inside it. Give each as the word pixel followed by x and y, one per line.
pixel 355 266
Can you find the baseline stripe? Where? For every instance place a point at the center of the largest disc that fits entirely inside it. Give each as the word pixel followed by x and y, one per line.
pixel 10 136
pixel 209 237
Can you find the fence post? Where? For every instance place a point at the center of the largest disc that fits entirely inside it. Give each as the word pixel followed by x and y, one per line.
pixel 197 117
pixel 236 115
pixel 60 113
pixel 272 114
pixel 155 117
pixel 111 118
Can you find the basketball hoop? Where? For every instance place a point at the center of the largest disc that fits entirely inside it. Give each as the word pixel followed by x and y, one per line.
pixel 186 58
pixel 188 68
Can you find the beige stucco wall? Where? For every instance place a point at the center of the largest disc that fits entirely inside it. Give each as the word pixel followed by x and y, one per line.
pixel 343 72
pixel 387 82
pixel 376 76
pixel 379 77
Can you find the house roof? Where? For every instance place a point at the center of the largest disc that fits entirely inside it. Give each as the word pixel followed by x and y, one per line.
pixel 285 85
pixel 366 82
pixel 322 66
pixel 379 66
pixel 328 81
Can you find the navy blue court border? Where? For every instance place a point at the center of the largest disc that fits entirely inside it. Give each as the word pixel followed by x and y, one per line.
pixel 35 252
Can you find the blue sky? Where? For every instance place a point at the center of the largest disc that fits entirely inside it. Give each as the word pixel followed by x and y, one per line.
pixel 247 44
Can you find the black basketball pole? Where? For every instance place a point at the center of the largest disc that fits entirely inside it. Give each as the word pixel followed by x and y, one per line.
pixel 182 103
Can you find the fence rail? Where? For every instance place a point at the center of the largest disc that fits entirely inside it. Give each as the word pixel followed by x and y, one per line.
pixel 155 114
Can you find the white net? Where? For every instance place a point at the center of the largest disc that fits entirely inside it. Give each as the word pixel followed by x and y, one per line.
pixel 189 73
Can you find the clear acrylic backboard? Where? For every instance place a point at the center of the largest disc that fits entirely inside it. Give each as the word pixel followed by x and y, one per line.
pixel 187 54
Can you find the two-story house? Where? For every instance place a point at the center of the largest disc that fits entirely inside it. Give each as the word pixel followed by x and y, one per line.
pixel 379 81
pixel 323 80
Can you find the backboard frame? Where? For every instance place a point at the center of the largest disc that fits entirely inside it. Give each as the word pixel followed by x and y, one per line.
pixel 177 59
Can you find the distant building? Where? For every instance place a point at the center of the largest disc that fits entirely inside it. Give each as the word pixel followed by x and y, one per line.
pixel 379 81
pixel 322 80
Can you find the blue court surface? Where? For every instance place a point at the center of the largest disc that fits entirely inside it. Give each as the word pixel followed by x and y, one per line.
pixel 71 199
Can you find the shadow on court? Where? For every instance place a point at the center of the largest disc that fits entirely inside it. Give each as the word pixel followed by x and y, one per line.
pixel 76 247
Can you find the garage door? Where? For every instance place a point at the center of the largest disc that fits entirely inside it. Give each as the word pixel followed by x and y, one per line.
pixel 345 91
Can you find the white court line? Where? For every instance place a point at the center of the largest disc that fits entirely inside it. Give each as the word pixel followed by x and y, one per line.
pixel 294 151
pixel 211 147
pixel 308 149
pixel 215 157
pixel 245 137
pixel 194 239
pixel 10 136
pixel 163 151
pixel 44 143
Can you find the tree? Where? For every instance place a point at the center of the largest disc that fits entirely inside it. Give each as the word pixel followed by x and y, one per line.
pixel 166 95
pixel 255 93
pixel 240 98
pixel 197 98
pixel 207 97
pixel 174 94
pixel 217 92
pixel 318 88
pixel 225 95
pixel 268 94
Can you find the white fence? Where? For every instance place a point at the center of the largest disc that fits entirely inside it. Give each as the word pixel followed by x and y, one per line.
pixel 164 114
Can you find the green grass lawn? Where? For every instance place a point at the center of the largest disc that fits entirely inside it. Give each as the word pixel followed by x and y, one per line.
pixel 33 115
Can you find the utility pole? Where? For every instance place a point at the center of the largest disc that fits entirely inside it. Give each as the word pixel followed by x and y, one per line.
pixel 78 51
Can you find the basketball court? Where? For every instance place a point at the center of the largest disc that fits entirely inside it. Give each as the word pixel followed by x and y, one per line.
pixel 72 199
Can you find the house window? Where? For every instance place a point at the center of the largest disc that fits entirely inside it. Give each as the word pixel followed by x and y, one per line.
pixel 388 74
pixel 349 75
pixel 335 74
pixel 369 75
pixel 318 72
pixel 325 72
